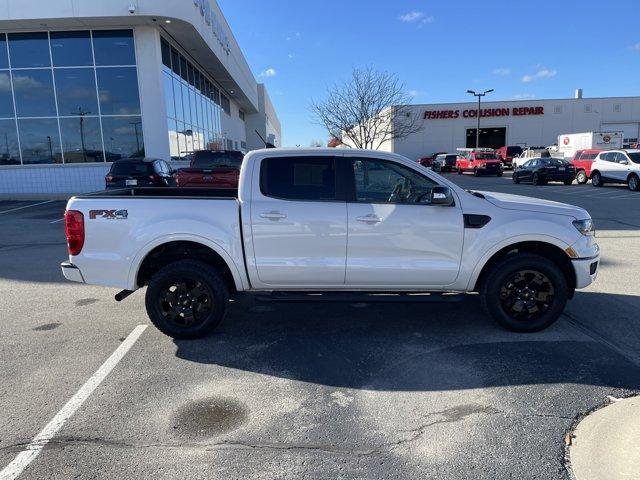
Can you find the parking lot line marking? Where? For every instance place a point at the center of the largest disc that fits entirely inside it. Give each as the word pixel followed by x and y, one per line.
pixel 56 221
pixel 26 206
pixel 33 449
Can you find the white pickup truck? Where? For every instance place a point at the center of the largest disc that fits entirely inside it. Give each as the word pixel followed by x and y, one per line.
pixel 324 222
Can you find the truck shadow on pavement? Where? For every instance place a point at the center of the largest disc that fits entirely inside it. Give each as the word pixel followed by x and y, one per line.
pixel 407 347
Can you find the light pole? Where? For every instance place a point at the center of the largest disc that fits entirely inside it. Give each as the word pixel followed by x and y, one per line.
pixel 81 113
pixel 479 95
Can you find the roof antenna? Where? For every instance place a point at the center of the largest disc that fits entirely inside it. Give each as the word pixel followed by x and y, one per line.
pixel 266 144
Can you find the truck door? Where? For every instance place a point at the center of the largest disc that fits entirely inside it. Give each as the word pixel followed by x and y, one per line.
pixel 396 238
pixel 298 222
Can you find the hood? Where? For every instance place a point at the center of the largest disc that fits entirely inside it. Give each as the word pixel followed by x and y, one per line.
pixel 530 204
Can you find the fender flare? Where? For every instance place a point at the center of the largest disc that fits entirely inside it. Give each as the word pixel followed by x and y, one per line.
pixel 556 242
pixel 139 257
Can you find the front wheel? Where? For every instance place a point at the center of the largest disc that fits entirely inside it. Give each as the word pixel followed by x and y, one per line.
pixel 596 179
pixel 186 299
pixel 581 177
pixel 568 182
pixel 499 174
pixel 536 179
pixel 459 171
pixel 476 172
pixel 524 293
pixel 634 183
pixel 515 178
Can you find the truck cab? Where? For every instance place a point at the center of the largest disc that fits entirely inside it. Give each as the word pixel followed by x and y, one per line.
pixel 479 161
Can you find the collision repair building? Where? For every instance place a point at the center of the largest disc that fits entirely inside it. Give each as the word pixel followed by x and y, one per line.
pixel 531 123
pixel 84 83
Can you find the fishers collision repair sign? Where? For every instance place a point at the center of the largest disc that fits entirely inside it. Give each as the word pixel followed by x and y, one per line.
pixel 484 113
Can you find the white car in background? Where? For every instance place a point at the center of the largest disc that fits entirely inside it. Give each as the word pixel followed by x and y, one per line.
pixel 617 166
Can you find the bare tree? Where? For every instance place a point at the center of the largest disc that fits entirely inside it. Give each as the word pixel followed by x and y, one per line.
pixel 368 110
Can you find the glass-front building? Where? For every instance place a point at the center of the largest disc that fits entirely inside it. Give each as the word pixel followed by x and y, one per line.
pixel 194 104
pixel 69 97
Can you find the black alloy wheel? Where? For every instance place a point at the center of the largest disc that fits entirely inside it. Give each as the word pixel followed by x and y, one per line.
pixel 596 179
pixel 536 179
pixel 187 299
pixel 515 178
pixel 526 295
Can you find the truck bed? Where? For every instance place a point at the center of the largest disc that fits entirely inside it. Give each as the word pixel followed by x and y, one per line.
pixel 159 192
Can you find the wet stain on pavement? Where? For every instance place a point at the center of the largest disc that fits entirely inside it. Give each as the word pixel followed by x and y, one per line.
pixel 46 327
pixel 209 417
pixel 86 301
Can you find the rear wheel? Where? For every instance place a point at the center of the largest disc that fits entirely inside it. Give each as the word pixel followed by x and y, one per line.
pixel 596 179
pixel 524 293
pixel 186 299
pixel 581 177
pixel 634 183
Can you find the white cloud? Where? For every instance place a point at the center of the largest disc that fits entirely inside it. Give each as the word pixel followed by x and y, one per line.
pixel 414 93
pixel 502 71
pixel 291 56
pixel 542 73
pixel 523 96
pixel 411 16
pixel 291 37
pixel 269 72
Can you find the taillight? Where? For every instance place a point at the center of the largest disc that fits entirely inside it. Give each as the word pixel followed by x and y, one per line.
pixel 74 230
pixel 109 179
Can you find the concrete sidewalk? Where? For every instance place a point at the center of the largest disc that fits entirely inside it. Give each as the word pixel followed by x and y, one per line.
pixel 606 443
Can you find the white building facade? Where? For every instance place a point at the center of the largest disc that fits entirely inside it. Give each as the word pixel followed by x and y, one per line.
pixel 534 123
pixel 84 83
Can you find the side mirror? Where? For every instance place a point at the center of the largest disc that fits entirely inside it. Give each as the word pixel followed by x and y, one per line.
pixel 441 196
pixel 623 162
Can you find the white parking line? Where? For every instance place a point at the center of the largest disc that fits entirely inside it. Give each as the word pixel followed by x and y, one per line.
pixel 26 206
pixel 56 221
pixel 31 451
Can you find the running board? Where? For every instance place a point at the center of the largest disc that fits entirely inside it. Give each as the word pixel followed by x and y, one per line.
pixel 350 297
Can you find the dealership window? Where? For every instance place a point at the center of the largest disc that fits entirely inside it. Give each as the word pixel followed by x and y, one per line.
pixel 226 104
pixel 192 104
pixel 69 106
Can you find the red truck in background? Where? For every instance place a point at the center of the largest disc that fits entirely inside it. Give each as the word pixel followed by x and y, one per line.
pixel 480 161
pixel 582 160
pixel 507 154
pixel 212 169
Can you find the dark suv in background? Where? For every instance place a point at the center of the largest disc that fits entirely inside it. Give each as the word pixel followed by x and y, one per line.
pixel 445 163
pixel 139 172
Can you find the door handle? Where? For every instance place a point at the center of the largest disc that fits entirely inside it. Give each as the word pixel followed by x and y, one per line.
pixel 273 215
pixel 370 219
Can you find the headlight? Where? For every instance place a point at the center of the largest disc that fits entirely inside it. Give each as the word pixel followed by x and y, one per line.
pixel 585 227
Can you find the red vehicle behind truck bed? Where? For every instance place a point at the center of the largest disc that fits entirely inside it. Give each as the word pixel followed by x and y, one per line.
pixel 582 160
pixel 507 154
pixel 212 169
pixel 482 161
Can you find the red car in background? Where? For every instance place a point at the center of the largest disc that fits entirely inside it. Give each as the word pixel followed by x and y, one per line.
pixel 212 169
pixel 479 161
pixel 507 154
pixel 582 160
pixel 428 161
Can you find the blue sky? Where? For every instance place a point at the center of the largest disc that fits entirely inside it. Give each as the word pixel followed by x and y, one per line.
pixel 523 49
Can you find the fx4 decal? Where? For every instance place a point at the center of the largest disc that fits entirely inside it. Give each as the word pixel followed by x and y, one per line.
pixel 109 214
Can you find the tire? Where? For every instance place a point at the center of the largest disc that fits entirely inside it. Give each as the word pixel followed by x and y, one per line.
pixel 459 171
pixel 501 298
pixel 596 179
pixel 581 177
pixel 499 174
pixel 568 182
pixel 633 183
pixel 189 279
pixel 476 172
pixel 515 178
pixel 536 179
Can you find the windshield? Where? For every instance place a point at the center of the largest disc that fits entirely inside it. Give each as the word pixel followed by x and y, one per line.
pixel 635 157
pixel 513 151
pixel 486 156
pixel 208 160
pixel 132 168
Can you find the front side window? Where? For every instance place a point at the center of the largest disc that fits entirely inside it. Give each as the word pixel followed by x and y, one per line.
pixel 299 178
pixel 378 181
pixel 621 157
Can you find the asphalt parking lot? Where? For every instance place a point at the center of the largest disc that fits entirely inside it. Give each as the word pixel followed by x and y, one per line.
pixel 318 391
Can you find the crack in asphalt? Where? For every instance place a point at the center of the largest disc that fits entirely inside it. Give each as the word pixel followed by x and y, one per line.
pixel 451 415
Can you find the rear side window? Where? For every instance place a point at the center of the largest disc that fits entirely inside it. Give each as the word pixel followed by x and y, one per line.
pixel 609 157
pixel 132 168
pixel 299 178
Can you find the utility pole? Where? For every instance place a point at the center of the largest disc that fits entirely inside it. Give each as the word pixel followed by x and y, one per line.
pixel 81 113
pixel 479 95
pixel 135 126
